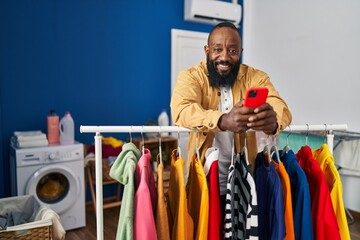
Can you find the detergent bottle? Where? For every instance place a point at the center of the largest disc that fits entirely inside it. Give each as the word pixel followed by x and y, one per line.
pixel 163 120
pixel 53 128
pixel 67 129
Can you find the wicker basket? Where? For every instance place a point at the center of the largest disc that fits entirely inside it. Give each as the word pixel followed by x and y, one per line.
pixel 38 233
pixel 33 229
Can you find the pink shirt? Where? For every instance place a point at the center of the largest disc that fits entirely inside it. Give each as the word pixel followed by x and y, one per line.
pixel 145 199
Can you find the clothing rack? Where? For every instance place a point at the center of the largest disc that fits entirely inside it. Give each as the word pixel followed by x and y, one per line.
pixel 328 128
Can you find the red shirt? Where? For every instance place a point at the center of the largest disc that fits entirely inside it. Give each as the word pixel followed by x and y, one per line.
pixel 323 217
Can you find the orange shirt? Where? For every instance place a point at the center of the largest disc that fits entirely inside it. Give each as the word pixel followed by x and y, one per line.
pixel 288 212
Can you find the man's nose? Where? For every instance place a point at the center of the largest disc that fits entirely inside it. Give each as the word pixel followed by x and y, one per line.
pixel 225 55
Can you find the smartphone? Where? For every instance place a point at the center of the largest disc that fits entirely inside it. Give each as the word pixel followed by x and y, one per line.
pixel 255 97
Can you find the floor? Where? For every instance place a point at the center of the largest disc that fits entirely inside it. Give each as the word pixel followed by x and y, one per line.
pixel 111 219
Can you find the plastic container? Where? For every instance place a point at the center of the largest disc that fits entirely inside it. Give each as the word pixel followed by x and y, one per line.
pixel 53 134
pixel 163 120
pixel 67 129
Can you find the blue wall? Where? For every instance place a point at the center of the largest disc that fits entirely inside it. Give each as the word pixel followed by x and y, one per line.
pixel 107 62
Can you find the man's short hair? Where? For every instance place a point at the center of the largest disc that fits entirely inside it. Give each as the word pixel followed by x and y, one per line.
pixel 221 25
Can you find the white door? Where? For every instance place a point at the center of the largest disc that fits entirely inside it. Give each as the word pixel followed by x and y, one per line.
pixel 187 49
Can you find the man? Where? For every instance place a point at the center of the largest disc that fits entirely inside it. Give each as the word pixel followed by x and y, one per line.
pixel 209 97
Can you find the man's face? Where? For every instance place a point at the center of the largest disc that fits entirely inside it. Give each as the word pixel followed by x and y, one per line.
pixel 223 55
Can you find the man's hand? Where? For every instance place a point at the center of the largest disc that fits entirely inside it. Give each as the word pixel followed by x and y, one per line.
pixel 241 118
pixel 264 119
pixel 237 119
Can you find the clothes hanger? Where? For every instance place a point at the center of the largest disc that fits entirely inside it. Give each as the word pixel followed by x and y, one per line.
pixel 197 146
pixel 274 150
pixel 160 150
pixel 130 133
pixel 325 134
pixel 267 151
pixel 142 141
pixel 179 148
pixel 232 152
pixel 287 148
pixel 307 134
pixel 244 152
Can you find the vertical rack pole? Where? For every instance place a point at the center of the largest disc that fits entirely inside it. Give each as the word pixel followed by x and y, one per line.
pixel 99 186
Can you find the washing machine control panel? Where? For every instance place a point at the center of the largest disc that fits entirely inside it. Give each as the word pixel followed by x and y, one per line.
pixel 50 154
pixel 65 155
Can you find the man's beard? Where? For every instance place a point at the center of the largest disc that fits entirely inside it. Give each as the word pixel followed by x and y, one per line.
pixel 218 80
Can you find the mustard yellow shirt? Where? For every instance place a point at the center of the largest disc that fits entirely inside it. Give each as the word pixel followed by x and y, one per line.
pixel 198 199
pixel 194 103
pixel 326 161
pixel 180 222
pixel 161 218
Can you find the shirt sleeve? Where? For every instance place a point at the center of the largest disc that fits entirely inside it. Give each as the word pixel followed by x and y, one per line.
pixel 188 106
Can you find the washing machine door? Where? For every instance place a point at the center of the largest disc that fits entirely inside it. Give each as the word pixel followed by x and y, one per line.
pixel 55 186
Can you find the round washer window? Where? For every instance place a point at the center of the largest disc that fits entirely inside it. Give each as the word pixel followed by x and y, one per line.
pixel 52 187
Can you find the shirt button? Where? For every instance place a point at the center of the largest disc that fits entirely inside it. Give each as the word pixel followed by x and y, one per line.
pixel 211 125
pixel 226 108
pixel 219 94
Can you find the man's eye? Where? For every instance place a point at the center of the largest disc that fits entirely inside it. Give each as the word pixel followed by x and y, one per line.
pixel 233 51
pixel 217 49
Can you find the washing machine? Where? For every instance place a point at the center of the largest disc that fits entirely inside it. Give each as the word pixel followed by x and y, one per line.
pixel 55 176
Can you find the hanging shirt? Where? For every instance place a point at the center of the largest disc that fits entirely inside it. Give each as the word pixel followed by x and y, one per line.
pixel 270 200
pixel 211 171
pixel 180 222
pixel 145 199
pixel 242 210
pixel 252 223
pixel 286 188
pixel 123 170
pixel 322 212
pixel 223 140
pixel 300 196
pixel 325 159
pixel 198 199
pixel 161 219
pixel 248 213
pixel 228 234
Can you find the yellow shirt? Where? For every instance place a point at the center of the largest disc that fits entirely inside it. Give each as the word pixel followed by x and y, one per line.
pixel 326 161
pixel 194 103
pixel 198 199
pixel 180 222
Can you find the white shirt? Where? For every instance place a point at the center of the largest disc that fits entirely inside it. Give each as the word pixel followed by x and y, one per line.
pixel 224 140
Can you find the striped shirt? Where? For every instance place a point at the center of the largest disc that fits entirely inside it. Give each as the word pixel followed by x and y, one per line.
pixel 241 204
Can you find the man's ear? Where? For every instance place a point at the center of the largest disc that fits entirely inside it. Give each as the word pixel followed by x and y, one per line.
pixel 206 50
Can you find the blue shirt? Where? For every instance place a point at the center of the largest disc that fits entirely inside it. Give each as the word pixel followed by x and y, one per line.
pixel 300 194
pixel 270 200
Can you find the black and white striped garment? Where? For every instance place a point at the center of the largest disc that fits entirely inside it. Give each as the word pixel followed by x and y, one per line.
pixel 228 212
pixel 252 205
pixel 241 203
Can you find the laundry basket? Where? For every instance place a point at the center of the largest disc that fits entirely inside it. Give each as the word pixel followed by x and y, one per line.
pixel 19 219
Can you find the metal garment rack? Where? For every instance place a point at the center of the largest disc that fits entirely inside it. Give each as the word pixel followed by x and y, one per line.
pixel 328 128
